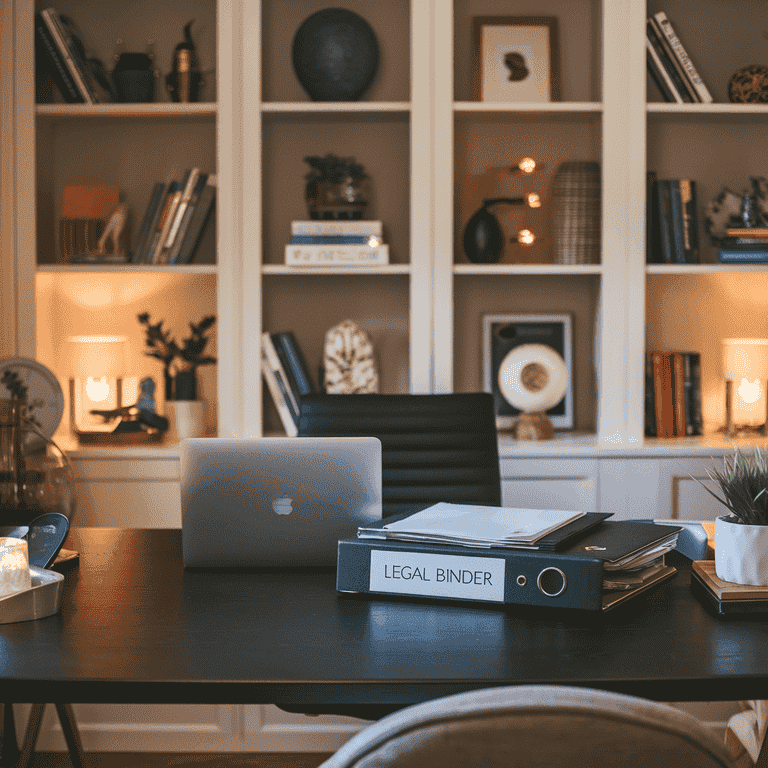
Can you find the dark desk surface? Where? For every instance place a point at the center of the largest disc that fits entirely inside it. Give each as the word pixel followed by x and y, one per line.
pixel 136 627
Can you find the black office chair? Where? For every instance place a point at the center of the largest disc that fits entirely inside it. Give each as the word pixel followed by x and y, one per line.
pixel 434 447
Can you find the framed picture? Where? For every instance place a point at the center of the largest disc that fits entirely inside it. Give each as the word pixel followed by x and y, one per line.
pixel 516 58
pixel 502 334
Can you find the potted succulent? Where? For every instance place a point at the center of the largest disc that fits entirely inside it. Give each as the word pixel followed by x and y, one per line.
pixel 741 538
pixel 336 187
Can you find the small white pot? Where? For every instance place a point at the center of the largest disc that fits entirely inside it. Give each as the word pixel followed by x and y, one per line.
pixel 741 552
pixel 186 418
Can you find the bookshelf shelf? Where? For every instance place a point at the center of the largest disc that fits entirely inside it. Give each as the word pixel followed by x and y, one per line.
pixel 288 107
pixel 705 269
pixel 388 269
pixel 560 106
pixel 657 108
pixel 126 110
pixel 527 269
pixel 190 269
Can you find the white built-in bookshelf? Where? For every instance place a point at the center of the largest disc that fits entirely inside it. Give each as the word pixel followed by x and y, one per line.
pixel 425 142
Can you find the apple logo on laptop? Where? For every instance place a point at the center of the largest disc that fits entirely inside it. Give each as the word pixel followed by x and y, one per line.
pixel 283 505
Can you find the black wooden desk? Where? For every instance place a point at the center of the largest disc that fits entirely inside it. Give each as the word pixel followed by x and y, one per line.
pixel 135 627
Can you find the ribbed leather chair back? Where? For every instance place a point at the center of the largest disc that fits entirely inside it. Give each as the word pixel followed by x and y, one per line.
pixel 434 447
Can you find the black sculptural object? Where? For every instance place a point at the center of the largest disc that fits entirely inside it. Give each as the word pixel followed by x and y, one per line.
pixel 483 237
pixel 184 80
pixel 335 55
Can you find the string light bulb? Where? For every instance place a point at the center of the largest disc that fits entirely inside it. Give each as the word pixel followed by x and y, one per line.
pixel 527 165
pixel 524 237
pixel 533 200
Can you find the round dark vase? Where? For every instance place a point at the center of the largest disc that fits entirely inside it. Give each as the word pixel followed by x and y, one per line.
pixel 335 55
pixel 134 78
pixel 185 386
pixel 483 238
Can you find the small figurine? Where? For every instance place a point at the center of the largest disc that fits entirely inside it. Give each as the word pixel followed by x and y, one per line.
pixel 349 361
pixel 184 81
pixel 146 399
pixel 112 231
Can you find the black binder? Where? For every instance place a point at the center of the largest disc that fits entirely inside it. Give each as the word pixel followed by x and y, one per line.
pixel 572 578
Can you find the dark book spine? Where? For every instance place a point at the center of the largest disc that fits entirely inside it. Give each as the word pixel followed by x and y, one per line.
pixel 296 364
pixel 673 62
pixel 697 415
pixel 665 222
pixel 200 216
pixel 669 67
pixel 82 72
pixel 690 220
pixel 650 410
pixel 652 244
pixel 56 66
pixel 286 367
pixel 664 84
pixel 688 395
pixel 676 208
pixel 146 223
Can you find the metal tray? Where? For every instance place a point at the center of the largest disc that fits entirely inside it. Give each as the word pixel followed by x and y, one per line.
pixel 41 600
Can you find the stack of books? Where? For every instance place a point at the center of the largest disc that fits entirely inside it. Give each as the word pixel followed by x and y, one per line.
pixel 175 219
pixel 559 558
pixel 673 222
pixel 336 244
pixel 286 375
pixel 61 54
pixel 746 245
pixel 669 64
pixel 725 597
pixel 673 394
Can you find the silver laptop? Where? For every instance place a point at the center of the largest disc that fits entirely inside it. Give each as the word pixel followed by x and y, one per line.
pixel 276 502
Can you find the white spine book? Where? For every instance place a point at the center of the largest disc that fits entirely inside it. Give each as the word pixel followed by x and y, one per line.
pixel 336 228
pixel 665 26
pixel 336 255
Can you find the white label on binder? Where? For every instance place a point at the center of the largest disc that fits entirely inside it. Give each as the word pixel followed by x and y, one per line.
pixel 416 573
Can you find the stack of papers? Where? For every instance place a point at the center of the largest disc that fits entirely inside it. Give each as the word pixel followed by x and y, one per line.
pixel 470 525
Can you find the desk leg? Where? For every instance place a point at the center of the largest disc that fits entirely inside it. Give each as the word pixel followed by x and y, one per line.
pixel 71 734
pixel 9 747
pixel 30 738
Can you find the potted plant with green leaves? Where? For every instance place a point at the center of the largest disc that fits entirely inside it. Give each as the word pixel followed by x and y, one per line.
pixel 741 537
pixel 185 413
pixel 336 187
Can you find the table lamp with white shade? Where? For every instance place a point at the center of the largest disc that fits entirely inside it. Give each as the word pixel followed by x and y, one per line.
pixel 95 366
pixel 745 368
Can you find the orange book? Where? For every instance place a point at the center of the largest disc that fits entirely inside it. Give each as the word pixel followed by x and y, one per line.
pixel 89 202
pixel 663 394
pixel 678 379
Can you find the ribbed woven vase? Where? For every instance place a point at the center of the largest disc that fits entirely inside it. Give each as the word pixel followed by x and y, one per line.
pixel 576 213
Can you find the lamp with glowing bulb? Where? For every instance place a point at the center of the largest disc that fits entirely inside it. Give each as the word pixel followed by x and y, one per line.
pixel 96 367
pixel 745 368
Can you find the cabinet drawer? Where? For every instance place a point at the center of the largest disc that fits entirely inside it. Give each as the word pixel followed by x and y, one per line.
pixel 549 484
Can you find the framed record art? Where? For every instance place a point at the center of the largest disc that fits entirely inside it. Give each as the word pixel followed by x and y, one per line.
pixel 516 58
pixel 528 366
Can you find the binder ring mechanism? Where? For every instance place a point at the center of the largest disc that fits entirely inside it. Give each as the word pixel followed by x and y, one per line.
pixel 551 582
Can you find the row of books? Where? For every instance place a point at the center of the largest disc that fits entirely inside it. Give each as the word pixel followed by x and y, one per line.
pixel 745 245
pixel 672 219
pixel 175 219
pixel 61 53
pixel 673 394
pixel 669 64
pixel 355 243
pixel 287 376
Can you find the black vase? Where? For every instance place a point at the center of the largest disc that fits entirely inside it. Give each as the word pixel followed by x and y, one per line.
pixel 483 238
pixel 185 386
pixel 134 78
pixel 335 55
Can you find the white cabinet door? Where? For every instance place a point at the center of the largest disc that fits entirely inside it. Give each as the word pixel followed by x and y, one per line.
pixel 550 484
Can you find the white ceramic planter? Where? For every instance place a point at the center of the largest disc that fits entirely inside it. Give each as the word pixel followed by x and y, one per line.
pixel 741 552
pixel 186 418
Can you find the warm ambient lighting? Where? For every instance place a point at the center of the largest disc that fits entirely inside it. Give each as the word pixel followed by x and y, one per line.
pixel 745 369
pixel 96 367
pixel 526 165
pixel 524 237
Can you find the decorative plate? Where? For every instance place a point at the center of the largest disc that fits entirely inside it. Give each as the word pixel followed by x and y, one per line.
pixel 749 85
pixel 335 55
pixel 45 400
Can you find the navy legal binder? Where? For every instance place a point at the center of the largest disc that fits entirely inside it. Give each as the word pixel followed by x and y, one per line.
pixel 573 578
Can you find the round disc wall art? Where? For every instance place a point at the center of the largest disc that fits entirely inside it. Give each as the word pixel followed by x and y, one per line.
pixel 335 55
